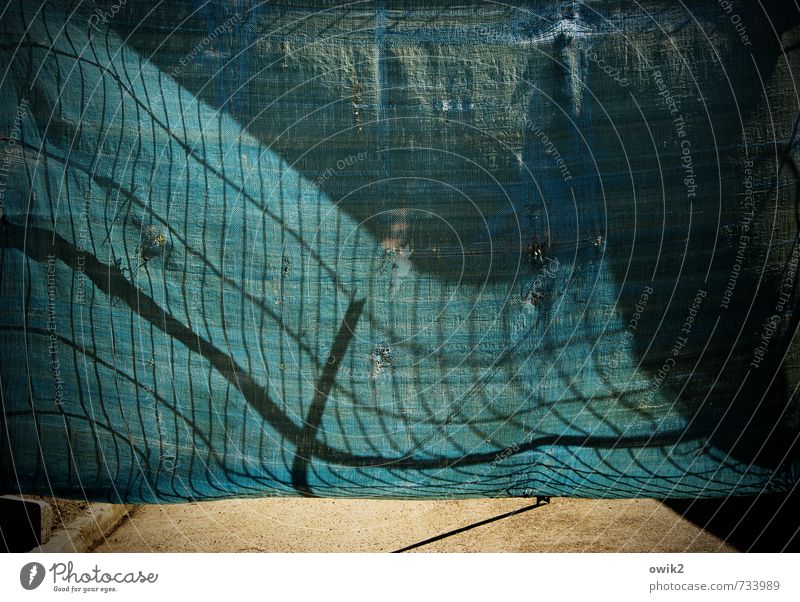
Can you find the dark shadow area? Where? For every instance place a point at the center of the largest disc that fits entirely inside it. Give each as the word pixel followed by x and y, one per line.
pixel 23 524
pixel 764 523
pixel 720 267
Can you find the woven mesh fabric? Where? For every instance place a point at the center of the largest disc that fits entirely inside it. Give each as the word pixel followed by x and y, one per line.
pixel 398 249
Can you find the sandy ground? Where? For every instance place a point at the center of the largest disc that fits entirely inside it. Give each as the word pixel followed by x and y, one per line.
pixel 326 525
pixel 64 511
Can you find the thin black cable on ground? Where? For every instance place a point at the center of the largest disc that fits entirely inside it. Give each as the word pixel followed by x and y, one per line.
pixel 540 501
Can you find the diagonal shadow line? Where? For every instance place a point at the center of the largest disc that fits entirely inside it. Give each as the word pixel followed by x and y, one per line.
pixel 322 391
pixel 38 243
pixel 540 501
pixel 187 148
pixel 129 197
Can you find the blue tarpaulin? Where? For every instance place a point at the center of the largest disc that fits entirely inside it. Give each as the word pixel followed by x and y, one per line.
pixel 398 249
